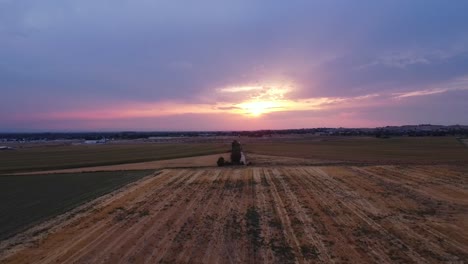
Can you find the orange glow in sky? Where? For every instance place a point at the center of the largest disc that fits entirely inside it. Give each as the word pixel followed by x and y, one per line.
pixel 246 101
pixel 257 108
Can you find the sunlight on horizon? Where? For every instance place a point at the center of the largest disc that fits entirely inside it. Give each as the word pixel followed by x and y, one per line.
pixel 258 108
pixel 261 99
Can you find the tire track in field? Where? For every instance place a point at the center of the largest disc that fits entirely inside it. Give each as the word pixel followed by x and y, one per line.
pixel 248 205
pixel 219 231
pixel 288 232
pixel 304 222
pixel 232 241
pixel 278 242
pixel 266 209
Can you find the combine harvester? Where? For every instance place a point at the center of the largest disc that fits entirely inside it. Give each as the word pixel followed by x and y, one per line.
pixel 237 156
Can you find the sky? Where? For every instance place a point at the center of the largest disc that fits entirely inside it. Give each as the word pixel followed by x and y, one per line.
pixel 109 65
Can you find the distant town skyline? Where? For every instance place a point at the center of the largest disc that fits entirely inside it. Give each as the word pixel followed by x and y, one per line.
pixel 231 65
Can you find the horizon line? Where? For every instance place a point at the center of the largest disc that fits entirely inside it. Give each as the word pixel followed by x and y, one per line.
pixel 193 131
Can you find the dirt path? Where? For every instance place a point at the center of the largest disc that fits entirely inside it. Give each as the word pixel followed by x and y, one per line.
pixel 293 214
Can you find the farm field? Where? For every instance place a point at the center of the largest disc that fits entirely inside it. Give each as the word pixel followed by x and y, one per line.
pixel 191 162
pixel 53 157
pixel 276 214
pixel 403 150
pixel 28 200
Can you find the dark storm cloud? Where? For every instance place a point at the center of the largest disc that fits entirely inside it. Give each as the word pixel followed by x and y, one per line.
pixel 56 55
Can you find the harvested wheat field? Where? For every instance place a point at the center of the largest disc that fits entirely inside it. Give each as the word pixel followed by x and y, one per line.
pixel 303 214
pixel 190 162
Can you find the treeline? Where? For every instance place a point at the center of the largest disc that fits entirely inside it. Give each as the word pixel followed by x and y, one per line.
pixel 381 132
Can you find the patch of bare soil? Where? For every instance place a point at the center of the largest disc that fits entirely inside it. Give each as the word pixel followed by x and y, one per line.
pixel 303 214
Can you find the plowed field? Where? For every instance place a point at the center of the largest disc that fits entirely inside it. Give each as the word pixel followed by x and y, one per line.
pixel 304 214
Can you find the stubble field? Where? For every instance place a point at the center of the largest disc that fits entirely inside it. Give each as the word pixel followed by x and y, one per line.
pixel 275 214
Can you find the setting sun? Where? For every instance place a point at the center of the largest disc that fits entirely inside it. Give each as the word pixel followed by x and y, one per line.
pixel 259 99
pixel 257 108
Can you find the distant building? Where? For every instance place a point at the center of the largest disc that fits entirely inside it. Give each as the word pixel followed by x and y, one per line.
pixel 5 148
pixel 100 141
